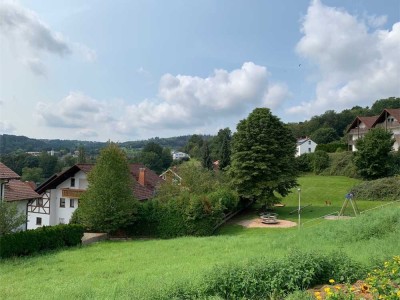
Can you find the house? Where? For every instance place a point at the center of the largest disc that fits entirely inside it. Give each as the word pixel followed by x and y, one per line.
pixel 14 190
pixel 305 145
pixel 61 193
pixel 171 176
pixel 389 119
pixel 179 155
pixel 358 129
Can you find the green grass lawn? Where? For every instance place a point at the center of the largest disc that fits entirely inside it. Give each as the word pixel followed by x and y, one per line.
pixel 140 269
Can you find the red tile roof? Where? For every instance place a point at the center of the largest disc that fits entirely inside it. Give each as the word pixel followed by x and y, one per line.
pixel 16 190
pixel 140 192
pixel 7 173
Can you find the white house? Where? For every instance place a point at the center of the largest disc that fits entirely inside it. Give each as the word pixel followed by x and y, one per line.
pixel 305 145
pixel 389 119
pixel 179 155
pixel 14 190
pixel 61 193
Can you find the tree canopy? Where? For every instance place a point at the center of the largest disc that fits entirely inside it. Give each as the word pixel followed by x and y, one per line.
pixel 10 217
pixel 108 203
pixel 263 151
pixel 372 158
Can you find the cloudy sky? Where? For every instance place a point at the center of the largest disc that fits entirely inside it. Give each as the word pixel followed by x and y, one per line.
pixel 128 70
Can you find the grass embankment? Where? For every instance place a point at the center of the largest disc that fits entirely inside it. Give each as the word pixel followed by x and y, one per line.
pixel 143 269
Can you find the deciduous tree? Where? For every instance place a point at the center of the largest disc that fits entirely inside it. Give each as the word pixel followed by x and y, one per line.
pixel 10 217
pixel 373 159
pixel 108 203
pixel 263 151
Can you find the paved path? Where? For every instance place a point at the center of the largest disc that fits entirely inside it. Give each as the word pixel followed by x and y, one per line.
pixel 89 237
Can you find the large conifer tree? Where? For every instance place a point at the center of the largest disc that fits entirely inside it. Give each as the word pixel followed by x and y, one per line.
pixel 108 203
pixel 263 151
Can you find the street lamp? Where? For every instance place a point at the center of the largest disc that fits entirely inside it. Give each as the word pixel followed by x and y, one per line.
pixel 299 190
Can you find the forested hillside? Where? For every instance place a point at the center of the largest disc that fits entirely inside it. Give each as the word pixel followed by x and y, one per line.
pixel 323 129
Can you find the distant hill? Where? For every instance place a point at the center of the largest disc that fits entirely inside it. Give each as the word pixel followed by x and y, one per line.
pixel 11 143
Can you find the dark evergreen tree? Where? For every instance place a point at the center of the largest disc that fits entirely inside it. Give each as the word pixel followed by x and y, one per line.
pixel 372 158
pixel 108 203
pixel 263 151
pixel 225 154
pixel 206 161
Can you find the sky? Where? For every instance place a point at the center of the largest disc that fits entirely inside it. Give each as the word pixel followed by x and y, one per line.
pixel 129 70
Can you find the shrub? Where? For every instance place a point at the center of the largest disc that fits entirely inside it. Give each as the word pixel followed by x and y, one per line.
pixel 332 147
pixel 320 161
pixel 41 239
pixel 341 164
pixel 305 162
pixel 264 279
pixel 385 189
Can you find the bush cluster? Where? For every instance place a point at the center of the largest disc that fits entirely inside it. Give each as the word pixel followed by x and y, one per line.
pixel 266 279
pixel 184 214
pixel 341 164
pixel 332 147
pixel 384 189
pixel 41 239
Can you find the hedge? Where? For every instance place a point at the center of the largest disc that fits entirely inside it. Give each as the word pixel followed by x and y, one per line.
pixel 183 215
pixel 41 239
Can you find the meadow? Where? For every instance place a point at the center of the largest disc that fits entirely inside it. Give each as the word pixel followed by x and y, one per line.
pixel 145 269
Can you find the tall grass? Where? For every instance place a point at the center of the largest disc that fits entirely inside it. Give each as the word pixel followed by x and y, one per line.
pixel 142 269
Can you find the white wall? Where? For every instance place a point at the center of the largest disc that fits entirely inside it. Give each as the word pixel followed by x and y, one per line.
pixel 64 214
pixel 306 147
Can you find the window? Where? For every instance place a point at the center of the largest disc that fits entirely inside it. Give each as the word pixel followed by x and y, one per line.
pixel 72 182
pixel 309 142
pixel 71 202
pixel 309 150
pixel 62 202
pixel 38 221
pixel 40 202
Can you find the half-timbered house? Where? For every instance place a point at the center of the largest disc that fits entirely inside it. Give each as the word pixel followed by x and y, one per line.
pixel 61 193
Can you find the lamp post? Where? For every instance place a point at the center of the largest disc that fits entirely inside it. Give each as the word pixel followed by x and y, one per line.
pixel 299 190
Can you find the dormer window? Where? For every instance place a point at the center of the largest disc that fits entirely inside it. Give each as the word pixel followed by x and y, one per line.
pixel 72 182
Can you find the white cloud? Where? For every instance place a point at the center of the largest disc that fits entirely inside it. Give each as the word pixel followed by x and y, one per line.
pixel 356 63
pixel 190 101
pixel 184 104
pixel 276 95
pixel 85 52
pixel 74 111
pixel 6 127
pixel 31 39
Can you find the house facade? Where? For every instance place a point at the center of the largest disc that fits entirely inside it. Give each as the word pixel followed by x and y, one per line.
pixel 179 155
pixel 389 119
pixel 61 193
pixel 305 145
pixel 16 191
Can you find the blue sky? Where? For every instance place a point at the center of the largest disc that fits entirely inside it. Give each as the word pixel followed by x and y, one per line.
pixel 128 70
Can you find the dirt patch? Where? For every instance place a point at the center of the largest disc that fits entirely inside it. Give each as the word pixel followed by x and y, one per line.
pixel 257 223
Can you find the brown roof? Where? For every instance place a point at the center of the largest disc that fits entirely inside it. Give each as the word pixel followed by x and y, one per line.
pixel 394 112
pixel 16 190
pixel 368 121
pixel 7 173
pixel 140 192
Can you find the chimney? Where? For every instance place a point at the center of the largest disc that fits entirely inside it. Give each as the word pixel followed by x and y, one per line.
pixel 142 172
